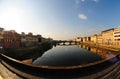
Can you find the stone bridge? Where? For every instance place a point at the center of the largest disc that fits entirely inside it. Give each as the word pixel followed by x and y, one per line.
pixel 68 42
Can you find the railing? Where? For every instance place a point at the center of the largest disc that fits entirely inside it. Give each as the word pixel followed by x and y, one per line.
pixel 89 71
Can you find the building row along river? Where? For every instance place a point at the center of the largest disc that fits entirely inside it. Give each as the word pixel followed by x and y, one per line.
pixel 109 37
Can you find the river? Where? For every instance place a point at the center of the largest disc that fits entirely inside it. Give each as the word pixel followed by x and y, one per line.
pixel 72 55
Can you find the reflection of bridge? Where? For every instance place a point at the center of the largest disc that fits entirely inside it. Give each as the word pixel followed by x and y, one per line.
pixel 98 70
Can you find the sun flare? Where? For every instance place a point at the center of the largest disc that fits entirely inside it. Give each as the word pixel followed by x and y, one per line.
pixel 12 16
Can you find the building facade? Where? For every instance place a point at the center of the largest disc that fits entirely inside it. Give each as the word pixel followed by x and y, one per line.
pixel 78 39
pixel 1 37
pixel 99 39
pixel 117 36
pixel 84 39
pixel 94 39
pixel 11 39
pixel 108 36
pixel 23 39
pixel 31 40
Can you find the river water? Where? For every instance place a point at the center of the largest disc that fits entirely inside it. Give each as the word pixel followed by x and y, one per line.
pixel 72 55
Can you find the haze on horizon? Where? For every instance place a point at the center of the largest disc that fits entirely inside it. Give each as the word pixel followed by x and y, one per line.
pixel 60 19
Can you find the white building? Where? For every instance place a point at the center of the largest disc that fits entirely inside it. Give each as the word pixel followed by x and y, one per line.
pixel 117 33
pixel 117 36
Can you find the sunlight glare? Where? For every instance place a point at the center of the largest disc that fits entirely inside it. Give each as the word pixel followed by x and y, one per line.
pixel 11 16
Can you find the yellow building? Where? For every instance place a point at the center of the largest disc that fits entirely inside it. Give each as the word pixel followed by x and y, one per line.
pixel 78 39
pixel 88 39
pixel 85 39
pixel 94 39
pixel 99 39
pixel 108 36
pixel 117 36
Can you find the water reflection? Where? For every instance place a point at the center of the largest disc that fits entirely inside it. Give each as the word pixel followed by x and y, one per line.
pixel 69 55
pixel 103 53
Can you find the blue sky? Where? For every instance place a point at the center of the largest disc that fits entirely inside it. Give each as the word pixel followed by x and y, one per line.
pixel 60 19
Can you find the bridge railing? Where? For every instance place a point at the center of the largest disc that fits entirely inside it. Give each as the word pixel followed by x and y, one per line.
pixel 85 72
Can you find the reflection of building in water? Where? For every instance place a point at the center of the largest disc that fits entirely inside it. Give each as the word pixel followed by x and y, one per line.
pixel 99 52
pixel 110 55
pixel 80 46
pixel 93 49
pixel 104 54
pixel 88 48
pixel 84 46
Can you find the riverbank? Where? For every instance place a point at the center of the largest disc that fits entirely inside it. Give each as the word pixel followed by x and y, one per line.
pixel 28 52
pixel 89 77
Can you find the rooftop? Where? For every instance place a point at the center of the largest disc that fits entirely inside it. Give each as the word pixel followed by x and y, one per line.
pixel 108 30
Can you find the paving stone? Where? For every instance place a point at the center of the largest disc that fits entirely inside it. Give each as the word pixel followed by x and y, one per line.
pixel 6 74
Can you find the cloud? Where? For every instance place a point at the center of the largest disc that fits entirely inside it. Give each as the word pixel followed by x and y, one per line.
pixel 82 16
pixel 95 0
pixel 78 1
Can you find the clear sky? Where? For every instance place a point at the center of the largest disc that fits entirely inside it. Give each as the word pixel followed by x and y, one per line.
pixel 60 19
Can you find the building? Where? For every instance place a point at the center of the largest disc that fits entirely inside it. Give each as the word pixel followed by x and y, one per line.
pixel 1 37
pixel 84 39
pixel 108 36
pixel 23 39
pixel 93 39
pixel 88 39
pixel 11 39
pixel 31 40
pixel 39 38
pixel 28 40
pixel 78 39
pixel 117 36
pixel 1 29
pixel 99 39
pixel 44 39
